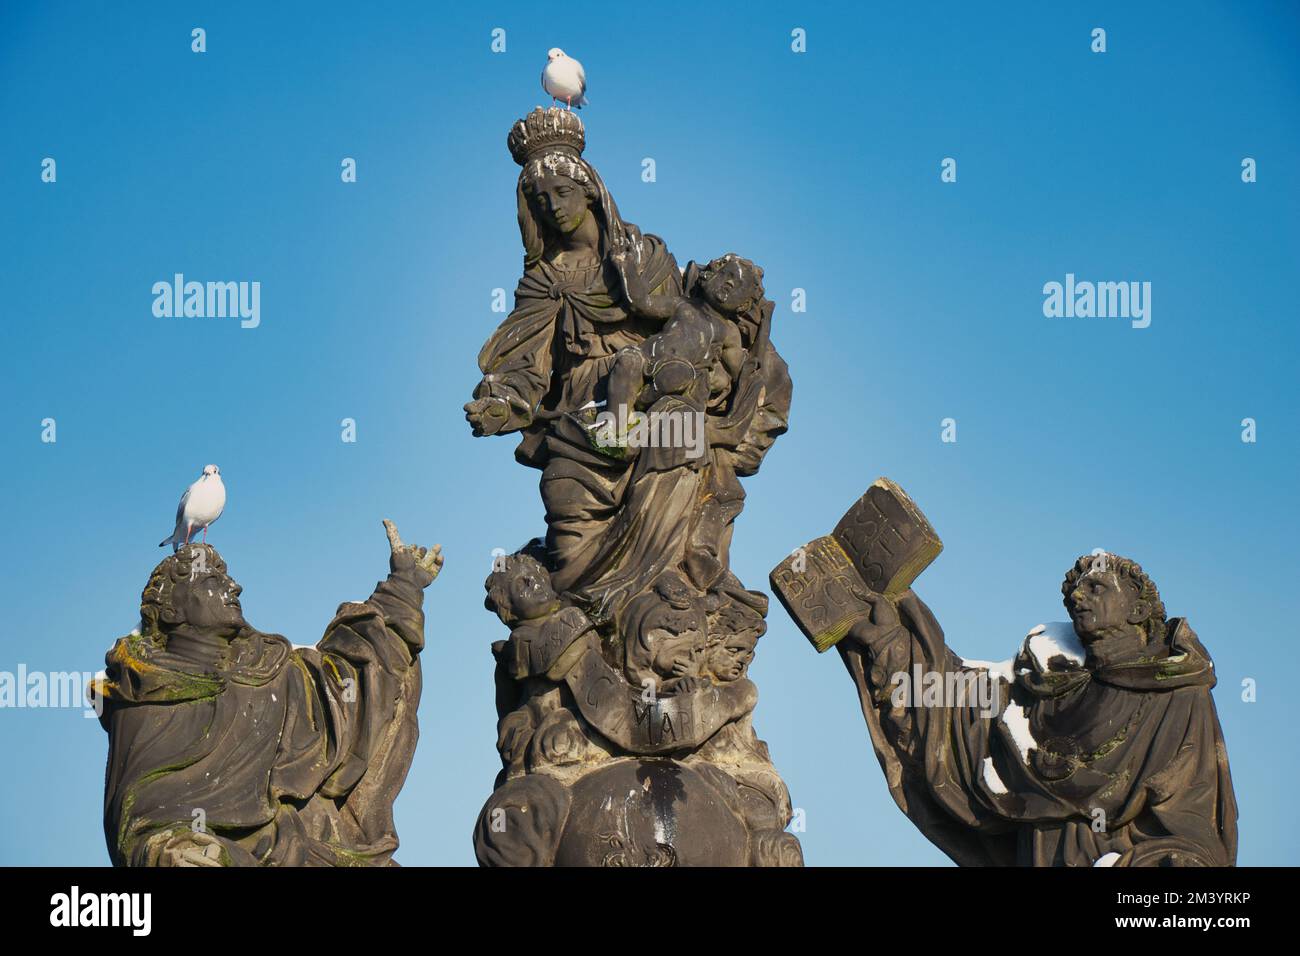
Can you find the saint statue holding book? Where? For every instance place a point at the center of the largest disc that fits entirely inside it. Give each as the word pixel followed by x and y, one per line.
pixel 1097 744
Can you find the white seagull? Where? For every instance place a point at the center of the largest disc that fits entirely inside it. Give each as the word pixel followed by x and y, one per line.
pixel 563 79
pixel 201 505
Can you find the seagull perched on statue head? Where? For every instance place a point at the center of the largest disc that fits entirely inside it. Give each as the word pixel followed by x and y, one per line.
pixel 564 79
pixel 201 505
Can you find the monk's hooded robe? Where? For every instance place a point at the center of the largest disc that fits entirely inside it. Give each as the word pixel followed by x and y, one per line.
pixel 1077 765
pixel 289 756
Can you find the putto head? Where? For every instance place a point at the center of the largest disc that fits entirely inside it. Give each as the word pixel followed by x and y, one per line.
pixel 731 284
pixel 519 589
pixel 733 638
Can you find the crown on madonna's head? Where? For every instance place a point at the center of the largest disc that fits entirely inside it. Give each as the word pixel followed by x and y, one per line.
pixel 545 131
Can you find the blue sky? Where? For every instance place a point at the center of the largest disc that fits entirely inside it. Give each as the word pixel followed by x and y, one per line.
pixel 924 303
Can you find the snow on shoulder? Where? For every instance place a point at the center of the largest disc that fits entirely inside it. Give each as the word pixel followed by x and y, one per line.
pixel 1046 642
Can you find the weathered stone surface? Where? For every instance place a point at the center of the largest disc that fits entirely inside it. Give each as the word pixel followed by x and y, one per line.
pixel 643 393
pixel 880 545
pixel 1098 744
pixel 232 747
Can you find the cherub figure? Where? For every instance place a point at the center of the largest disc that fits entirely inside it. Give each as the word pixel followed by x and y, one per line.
pixel 698 354
pixel 733 638
pixel 666 640
pixel 542 628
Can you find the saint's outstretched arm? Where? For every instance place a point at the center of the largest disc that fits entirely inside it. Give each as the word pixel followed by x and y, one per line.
pixel 936 749
pixel 362 683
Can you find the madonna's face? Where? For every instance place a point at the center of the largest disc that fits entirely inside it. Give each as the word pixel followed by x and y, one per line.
pixel 560 202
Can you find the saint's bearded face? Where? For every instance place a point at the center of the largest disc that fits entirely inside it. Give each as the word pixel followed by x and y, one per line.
pixel 208 600
pixel 1102 603
pixel 561 202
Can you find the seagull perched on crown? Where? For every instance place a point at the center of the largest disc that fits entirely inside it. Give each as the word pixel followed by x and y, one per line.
pixel 564 79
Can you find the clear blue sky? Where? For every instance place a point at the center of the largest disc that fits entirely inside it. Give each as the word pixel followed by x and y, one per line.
pixel 924 302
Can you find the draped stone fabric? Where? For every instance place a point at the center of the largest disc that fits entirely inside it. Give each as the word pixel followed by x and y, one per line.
pixel 285 755
pixel 1123 764
pixel 668 504
pixel 553 352
pixel 633 577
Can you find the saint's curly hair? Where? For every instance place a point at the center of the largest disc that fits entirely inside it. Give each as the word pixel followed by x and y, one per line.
pixel 1156 625
pixel 156 599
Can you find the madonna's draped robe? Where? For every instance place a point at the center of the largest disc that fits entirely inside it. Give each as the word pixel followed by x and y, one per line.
pixel 550 358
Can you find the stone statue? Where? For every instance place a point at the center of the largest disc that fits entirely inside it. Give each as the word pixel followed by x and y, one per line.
pixel 1098 744
pixel 643 393
pixel 231 747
